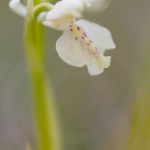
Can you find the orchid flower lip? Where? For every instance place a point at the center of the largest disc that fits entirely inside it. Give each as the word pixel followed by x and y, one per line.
pixel 79 47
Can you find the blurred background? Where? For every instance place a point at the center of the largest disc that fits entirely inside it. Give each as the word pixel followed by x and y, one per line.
pixel 106 112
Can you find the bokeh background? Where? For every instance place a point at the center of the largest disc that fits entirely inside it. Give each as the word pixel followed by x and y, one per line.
pixel 106 112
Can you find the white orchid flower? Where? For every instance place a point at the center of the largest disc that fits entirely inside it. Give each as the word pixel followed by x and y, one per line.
pixel 83 42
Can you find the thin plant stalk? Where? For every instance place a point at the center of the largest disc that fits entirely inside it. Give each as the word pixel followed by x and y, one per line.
pixel 46 114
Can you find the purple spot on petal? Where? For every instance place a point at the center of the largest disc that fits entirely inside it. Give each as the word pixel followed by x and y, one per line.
pixel 71 30
pixel 97 50
pixel 82 37
pixel 78 28
pixel 90 41
pixel 76 38
pixel 84 34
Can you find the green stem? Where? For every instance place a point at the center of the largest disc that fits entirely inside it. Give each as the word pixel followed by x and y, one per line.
pixel 131 143
pixel 45 110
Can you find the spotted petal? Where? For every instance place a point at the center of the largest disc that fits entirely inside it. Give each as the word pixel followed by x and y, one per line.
pixel 101 36
pixel 77 49
pixel 69 49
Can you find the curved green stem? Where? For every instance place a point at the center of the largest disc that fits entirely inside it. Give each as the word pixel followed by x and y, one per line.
pixel 42 7
pixel 45 111
pixel 40 1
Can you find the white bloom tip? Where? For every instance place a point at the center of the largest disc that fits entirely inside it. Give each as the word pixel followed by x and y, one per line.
pixel 107 60
pixel 79 47
pixel 18 8
pixel 45 23
pixel 42 16
pixel 14 3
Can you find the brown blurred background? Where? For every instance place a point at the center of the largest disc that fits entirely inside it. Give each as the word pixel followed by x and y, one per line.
pixel 95 111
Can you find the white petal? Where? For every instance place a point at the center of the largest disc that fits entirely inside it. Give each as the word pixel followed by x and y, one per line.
pixel 63 12
pixel 69 50
pixel 101 36
pixel 96 69
pixel 76 49
pixel 18 8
